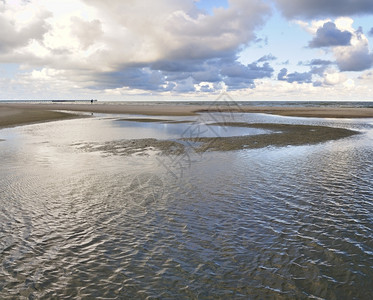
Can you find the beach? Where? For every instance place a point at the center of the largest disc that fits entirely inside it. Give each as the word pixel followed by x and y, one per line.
pixel 184 201
pixel 24 113
pixel 14 116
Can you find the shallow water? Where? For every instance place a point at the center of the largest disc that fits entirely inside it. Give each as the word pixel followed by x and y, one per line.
pixel 283 223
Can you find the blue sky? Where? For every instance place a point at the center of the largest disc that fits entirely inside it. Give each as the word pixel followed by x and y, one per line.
pixel 209 5
pixel 186 49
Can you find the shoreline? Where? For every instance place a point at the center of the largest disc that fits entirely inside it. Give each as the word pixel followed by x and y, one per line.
pixel 15 114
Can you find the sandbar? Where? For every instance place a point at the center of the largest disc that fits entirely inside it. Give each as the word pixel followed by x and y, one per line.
pixel 133 146
pixel 279 135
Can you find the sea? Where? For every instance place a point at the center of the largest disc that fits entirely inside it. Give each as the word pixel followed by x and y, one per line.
pixel 81 220
pixel 224 98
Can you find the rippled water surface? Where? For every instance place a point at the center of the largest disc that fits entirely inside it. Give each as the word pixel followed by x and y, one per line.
pixel 272 223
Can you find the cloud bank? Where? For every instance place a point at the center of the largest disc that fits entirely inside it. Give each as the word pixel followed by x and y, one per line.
pixel 313 9
pixel 173 47
pixel 164 45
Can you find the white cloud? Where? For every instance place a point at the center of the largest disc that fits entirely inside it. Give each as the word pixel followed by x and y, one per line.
pixel 344 90
pixel 356 56
pixel 313 26
pixel 365 83
pixel 334 77
pixel 21 26
pixel 112 43
pixel 166 47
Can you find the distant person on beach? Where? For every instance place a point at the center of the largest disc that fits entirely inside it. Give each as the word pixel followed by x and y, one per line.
pixel 91 101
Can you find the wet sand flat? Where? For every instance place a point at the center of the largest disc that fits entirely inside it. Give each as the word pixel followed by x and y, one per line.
pixel 279 135
pixel 146 120
pixel 14 116
pixel 165 109
pixel 282 135
pixel 146 109
pixel 309 112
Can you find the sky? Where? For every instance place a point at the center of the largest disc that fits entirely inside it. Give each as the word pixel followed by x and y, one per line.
pixel 186 49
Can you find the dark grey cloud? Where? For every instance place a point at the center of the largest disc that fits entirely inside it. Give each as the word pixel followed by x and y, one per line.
pixel 320 62
pixel 268 57
pixel 282 74
pixel 178 66
pixel 357 60
pixel 329 35
pixel 184 86
pixel 261 41
pixel 133 77
pixel 182 76
pixel 318 70
pixel 237 75
pixel 208 75
pixel 318 66
pixel 360 31
pixel 251 71
pixel 305 77
pixel 370 32
pixel 312 9
pixel 207 89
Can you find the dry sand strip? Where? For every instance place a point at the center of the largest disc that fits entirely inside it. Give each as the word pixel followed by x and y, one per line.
pixel 10 116
pixel 138 109
pixel 165 109
pixel 310 112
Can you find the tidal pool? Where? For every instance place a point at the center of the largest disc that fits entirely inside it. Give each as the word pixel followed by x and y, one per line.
pixel 291 222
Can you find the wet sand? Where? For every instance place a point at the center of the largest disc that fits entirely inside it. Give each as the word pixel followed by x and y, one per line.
pixel 148 120
pixel 309 112
pixel 138 109
pixel 134 146
pixel 15 116
pixel 279 135
pixel 165 109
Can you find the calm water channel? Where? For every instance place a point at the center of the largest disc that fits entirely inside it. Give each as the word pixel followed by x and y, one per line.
pixel 271 223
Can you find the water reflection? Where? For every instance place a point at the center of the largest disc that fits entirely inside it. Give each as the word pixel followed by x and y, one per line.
pixel 292 222
pixel 172 130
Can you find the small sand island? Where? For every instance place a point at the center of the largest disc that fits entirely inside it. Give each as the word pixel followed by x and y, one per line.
pixel 279 135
